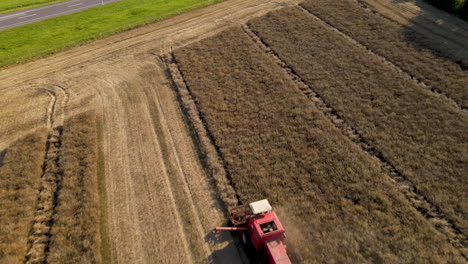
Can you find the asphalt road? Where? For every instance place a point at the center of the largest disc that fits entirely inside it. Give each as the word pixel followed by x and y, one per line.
pixel 27 16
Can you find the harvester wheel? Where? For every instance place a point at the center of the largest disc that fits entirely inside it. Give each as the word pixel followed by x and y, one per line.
pixel 249 248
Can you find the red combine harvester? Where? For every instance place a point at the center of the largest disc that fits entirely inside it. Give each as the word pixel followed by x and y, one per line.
pixel 258 224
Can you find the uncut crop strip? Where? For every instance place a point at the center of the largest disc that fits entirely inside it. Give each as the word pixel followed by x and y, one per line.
pixel 20 179
pixel 386 61
pixel 75 233
pixel 277 145
pixel 211 156
pixel 425 22
pixel 389 40
pixel 374 99
pixel 419 202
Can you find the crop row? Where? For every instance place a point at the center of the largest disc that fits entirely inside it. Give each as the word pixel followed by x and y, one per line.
pixel 20 178
pixel 419 133
pixel 75 234
pixel 336 203
pixel 57 212
pixel 406 49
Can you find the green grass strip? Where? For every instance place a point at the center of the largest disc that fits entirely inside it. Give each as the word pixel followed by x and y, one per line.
pixel 50 36
pixel 7 6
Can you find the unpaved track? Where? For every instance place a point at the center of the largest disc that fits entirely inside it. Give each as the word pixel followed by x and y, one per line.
pixel 162 205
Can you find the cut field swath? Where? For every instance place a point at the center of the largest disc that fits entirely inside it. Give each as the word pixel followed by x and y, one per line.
pixel 277 145
pixel 19 119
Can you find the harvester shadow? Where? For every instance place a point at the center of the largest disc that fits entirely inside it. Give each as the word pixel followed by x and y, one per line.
pixel 231 251
pixel 2 156
pixel 438 45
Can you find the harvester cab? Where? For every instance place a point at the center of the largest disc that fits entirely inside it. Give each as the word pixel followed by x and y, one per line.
pixel 259 226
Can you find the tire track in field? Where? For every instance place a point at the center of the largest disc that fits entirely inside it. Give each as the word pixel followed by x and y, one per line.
pixel 50 108
pixel 421 203
pixel 63 96
pixel 180 172
pixel 171 185
pixel 51 178
pixel 136 234
pixel 387 62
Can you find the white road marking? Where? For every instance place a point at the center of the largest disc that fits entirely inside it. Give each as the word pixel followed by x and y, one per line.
pixel 53 15
pixel 27 16
pixel 54 5
pixel 3 17
pixel 39 18
pixel 13 15
pixel 75 5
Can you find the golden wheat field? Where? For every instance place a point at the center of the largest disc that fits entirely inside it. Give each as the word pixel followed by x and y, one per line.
pixel 349 116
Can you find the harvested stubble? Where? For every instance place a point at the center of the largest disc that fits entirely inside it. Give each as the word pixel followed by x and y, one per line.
pixel 76 229
pixel 400 45
pixel 419 133
pixel 20 178
pixel 336 203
